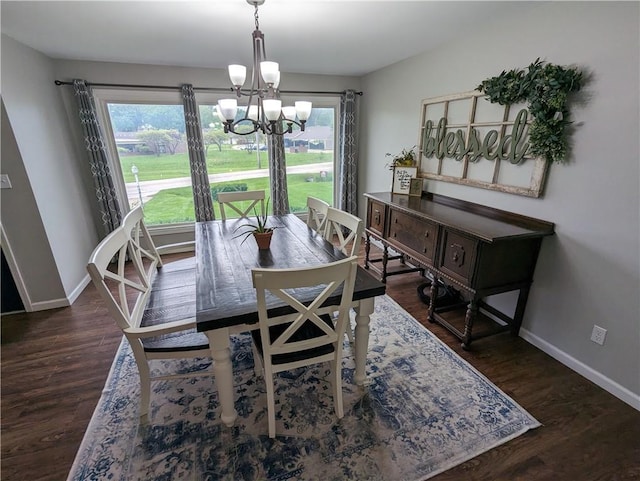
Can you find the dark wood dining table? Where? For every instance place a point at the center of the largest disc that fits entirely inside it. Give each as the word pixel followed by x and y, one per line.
pixel 226 299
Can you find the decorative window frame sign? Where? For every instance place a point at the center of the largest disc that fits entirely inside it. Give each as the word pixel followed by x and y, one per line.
pixel 467 140
pixel 402 179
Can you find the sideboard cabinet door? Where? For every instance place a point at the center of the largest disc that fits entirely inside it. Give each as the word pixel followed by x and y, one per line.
pixel 376 216
pixel 458 255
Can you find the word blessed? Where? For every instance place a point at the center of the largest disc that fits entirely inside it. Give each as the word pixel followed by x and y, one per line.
pixel 442 144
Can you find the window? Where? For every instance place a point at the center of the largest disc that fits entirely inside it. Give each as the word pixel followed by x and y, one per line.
pixel 146 132
pixel 241 161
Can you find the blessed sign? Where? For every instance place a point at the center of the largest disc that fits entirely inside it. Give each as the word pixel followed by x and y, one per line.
pixel 457 144
pixel 465 139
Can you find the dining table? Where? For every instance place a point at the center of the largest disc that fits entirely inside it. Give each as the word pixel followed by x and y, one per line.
pixel 226 302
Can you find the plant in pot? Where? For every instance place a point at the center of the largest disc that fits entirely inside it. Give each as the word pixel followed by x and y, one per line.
pixel 258 229
pixel 406 158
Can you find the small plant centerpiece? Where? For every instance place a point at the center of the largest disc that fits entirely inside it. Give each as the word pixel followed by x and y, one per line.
pixel 259 229
pixel 406 158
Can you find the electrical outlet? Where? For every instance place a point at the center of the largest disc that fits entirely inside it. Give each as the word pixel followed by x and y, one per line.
pixel 598 334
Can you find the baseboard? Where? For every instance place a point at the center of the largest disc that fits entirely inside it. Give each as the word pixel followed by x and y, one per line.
pixel 62 302
pixel 78 290
pixel 591 374
pixel 50 304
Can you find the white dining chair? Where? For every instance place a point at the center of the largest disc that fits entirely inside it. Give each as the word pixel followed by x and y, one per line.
pixel 345 231
pixel 309 335
pixel 148 300
pixel 242 203
pixel 316 213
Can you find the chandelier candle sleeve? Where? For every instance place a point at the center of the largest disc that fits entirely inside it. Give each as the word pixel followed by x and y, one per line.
pixel 263 111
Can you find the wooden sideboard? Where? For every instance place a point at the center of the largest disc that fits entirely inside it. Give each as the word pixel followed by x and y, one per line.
pixel 477 249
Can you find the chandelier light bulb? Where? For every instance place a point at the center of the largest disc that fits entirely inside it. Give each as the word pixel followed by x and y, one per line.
pixel 237 74
pixel 270 72
pixel 272 109
pixel 289 112
pixel 303 109
pixel 229 108
pixel 219 113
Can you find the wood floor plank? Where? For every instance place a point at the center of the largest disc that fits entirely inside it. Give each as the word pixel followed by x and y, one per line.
pixel 54 365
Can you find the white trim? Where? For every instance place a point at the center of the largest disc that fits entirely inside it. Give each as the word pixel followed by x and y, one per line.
pixel 622 393
pixel 50 304
pixel 71 298
pixel 15 271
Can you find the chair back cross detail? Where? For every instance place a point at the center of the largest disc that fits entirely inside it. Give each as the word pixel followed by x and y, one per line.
pixel 316 213
pixel 345 228
pixel 232 200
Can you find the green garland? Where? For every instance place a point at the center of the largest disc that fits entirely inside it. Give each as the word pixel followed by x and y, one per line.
pixel 545 87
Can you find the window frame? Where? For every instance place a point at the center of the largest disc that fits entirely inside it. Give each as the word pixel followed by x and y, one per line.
pixel 106 95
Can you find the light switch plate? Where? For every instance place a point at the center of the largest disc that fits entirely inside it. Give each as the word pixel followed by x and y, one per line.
pixel 5 183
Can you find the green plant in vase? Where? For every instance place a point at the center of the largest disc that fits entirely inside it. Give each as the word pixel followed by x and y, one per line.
pixel 258 229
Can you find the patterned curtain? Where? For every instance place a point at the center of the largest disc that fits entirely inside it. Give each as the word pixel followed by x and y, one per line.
pixel 98 158
pixel 202 200
pixel 348 153
pixel 278 174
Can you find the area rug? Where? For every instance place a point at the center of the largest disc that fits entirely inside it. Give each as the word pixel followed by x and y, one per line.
pixel 423 411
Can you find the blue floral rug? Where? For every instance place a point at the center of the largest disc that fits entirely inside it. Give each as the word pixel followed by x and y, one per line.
pixel 424 411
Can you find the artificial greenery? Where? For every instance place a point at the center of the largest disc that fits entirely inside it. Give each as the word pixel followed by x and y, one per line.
pixel 545 87
pixel 406 158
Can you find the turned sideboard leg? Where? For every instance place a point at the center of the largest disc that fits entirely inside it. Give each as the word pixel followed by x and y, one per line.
pixel 385 259
pixel 367 250
pixel 472 311
pixel 433 293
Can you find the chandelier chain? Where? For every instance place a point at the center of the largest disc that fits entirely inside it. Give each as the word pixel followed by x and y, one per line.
pixel 255 15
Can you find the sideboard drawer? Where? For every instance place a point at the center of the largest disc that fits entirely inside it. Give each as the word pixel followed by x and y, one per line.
pixel 417 234
pixel 376 217
pixel 458 254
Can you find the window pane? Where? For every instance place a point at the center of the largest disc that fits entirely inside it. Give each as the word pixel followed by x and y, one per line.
pixel 234 162
pixel 154 161
pixel 240 162
pixel 310 156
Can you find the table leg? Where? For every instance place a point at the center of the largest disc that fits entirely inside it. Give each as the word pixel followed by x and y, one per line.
pixel 363 312
pixel 223 370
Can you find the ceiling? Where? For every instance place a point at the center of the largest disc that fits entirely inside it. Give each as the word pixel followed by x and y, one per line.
pixel 335 37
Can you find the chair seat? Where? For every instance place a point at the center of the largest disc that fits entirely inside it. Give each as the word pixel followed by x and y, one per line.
pixel 308 331
pixel 189 341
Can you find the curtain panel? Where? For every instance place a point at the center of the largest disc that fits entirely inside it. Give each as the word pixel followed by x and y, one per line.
pixel 348 153
pixel 202 200
pixel 110 212
pixel 278 174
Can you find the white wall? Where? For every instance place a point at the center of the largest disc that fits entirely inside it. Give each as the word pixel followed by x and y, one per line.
pixel 40 127
pixel 589 272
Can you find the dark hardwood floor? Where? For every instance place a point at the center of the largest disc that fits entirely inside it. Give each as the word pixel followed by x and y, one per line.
pixel 55 363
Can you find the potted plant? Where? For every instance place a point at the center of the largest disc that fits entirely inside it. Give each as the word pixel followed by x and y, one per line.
pixel 406 158
pixel 258 228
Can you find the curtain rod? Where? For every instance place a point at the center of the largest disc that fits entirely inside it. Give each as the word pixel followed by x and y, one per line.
pixel 203 89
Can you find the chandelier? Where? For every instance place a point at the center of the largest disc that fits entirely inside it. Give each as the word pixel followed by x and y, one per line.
pixel 264 110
